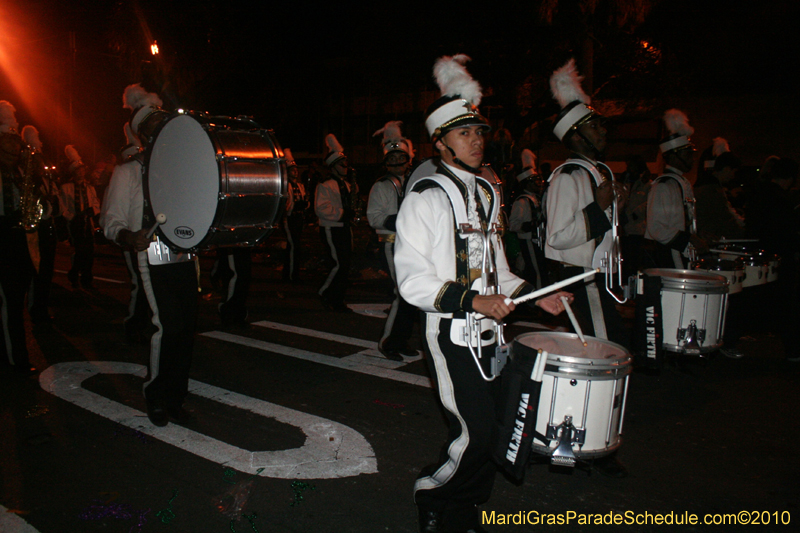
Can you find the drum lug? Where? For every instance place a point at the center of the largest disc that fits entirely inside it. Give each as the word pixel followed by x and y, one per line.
pixel 691 338
pixel 567 435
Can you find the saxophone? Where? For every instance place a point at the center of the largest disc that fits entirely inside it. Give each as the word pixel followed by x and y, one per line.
pixel 30 203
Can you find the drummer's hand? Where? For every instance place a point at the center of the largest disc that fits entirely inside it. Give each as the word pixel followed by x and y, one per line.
pixel 699 244
pixel 553 304
pixel 493 306
pixel 138 239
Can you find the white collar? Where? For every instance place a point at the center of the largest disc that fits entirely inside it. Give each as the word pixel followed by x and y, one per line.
pixel 467 177
pixel 672 170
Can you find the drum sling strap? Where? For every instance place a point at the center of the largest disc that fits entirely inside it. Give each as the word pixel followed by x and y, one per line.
pixel 648 333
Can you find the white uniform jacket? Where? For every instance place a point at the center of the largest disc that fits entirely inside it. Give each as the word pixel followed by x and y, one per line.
pixel 575 222
pixel 68 201
pixel 328 203
pixel 124 201
pixel 382 206
pixel 666 210
pixel 425 256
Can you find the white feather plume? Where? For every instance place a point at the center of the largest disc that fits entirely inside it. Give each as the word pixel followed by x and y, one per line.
pixel 72 154
pixel 287 154
pixel 135 97
pixel 565 84
pixel 453 79
pixel 390 131
pixel 8 115
pixel 720 146
pixel 31 136
pixel 333 143
pixel 528 159
pixel 677 122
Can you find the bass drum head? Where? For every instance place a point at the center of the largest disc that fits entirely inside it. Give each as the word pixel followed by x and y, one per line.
pixel 182 181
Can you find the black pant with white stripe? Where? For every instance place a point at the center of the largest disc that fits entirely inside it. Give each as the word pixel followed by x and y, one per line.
pixel 400 322
pixel 172 292
pixel 464 476
pixel 339 243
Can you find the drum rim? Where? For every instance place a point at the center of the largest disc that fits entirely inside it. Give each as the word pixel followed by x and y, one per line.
pixel 712 284
pixel 616 367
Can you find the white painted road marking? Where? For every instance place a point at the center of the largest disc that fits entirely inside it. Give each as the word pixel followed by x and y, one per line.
pixel 356 364
pixel 11 523
pixel 331 450
pixel 373 310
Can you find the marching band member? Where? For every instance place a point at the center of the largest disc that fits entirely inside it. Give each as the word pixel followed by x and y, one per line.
pixel 138 309
pixel 39 294
pixel 169 278
pixel 384 200
pixel 296 205
pixel 80 205
pixel 526 220
pixel 579 206
pixel 16 267
pixel 333 206
pixel 436 265
pixel 671 223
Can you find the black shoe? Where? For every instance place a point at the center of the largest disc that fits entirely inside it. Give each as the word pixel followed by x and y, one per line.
pixel 393 355
pixel 157 415
pixel 430 521
pixel 610 467
pixel 326 304
pixel 179 414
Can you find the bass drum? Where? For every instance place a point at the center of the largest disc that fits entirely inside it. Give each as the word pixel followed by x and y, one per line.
pixel 220 181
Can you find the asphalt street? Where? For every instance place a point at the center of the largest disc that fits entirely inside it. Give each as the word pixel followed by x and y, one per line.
pixel 300 425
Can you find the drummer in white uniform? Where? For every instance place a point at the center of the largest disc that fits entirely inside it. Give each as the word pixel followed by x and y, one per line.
pixel 169 278
pixel 384 201
pixel 671 223
pixel 578 206
pixel 436 267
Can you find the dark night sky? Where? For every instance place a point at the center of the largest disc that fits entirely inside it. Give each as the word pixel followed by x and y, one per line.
pixel 284 64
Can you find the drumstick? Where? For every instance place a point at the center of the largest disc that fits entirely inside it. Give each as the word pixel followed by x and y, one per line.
pixel 728 252
pixel 574 320
pixel 546 290
pixel 161 218
pixel 551 288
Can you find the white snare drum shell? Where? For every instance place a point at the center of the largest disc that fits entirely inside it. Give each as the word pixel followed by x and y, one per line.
pixel 589 386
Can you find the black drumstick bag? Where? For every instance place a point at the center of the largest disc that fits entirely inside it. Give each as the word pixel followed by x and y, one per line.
pixel 516 412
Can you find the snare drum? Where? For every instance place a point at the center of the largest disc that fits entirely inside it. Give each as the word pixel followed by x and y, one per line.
pixel 757 268
pixel 732 269
pixel 693 307
pixel 583 393
pixel 220 181
pixel 772 263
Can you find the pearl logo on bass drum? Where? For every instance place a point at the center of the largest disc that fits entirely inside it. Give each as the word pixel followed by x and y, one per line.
pixel 184 232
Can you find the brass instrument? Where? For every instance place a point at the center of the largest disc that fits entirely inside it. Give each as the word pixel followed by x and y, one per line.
pixel 30 203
